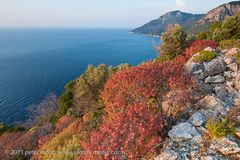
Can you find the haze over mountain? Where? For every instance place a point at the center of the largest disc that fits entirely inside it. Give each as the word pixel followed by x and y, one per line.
pixel 191 22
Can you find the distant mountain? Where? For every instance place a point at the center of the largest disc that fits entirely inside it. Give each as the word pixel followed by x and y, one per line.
pixel 157 26
pixel 191 22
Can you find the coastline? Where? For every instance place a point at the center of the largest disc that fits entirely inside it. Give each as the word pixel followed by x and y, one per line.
pixel 149 35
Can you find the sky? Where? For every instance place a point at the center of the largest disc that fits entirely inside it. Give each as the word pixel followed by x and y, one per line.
pixel 94 13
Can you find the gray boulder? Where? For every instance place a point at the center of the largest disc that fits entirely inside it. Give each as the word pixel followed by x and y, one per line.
pixel 197 119
pixel 215 79
pixel 183 131
pixel 215 67
pixel 213 103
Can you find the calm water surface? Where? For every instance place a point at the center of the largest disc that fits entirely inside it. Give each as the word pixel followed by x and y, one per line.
pixel 36 62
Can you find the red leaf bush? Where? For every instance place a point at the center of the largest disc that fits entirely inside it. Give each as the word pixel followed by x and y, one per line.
pixel 199 45
pixel 140 84
pixel 132 99
pixel 130 135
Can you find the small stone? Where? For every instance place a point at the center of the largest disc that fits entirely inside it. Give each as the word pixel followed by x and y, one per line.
pixel 210 49
pixel 225 146
pixel 233 67
pixel 197 119
pixel 215 79
pixel 168 155
pixel 238 118
pixel 215 67
pixel 206 87
pixel 228 60
pixel 238 132
pixel 227 74
pixel 183 131
pixel 237 82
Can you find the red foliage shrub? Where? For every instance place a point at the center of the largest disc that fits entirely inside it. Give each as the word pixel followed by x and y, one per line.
pixel 133 102
pixel 199 45
pixel 132 134
pixel 15 141
pixel 63 122
pixel 140 84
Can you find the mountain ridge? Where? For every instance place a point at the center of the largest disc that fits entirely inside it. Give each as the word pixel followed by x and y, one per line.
pixel 190 22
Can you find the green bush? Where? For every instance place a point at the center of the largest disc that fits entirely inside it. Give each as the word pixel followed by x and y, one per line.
pixel 66 99
pixel 205 56
pixel 174 41
pixel 230 43
pixel 164 57
pixel 220 31
pixel 12 128
pixel 221 128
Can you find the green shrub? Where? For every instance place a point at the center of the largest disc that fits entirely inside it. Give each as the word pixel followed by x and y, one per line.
pixel 205 56
pixel 230 43
pixel 221 128
pixel 174 41
pixel 164 57
pixel 66 99
pixel 237 56
pixel 12 128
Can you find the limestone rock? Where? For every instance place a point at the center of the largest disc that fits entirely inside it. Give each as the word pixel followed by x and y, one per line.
pixel 225 146
pixel 168 155
pixel 183 131
pixel 223 95
pixel 215 79
pixel 197 119
pixel 215 67
pixel 210 49
pixel 211 102
pixel 232 51
pixel 237 82
pixel 228 60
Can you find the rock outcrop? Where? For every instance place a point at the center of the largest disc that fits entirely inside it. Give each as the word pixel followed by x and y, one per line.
pixel 220 81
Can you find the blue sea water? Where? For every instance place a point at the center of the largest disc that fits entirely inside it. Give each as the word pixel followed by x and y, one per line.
pixel 37 62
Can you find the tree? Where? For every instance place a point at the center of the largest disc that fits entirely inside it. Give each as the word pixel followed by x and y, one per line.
pixel 174 41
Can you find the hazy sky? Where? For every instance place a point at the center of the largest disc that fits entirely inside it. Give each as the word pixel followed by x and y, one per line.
pixel 93 13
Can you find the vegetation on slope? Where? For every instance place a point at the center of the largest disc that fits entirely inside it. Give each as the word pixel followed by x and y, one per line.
pixel 120 111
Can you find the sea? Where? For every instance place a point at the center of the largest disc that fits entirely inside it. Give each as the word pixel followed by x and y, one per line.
pixel 37 62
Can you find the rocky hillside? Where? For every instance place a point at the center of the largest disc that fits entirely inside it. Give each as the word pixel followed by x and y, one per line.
pixel 221 12
pixel 191 23
pixel 189 139
pixel 158 26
